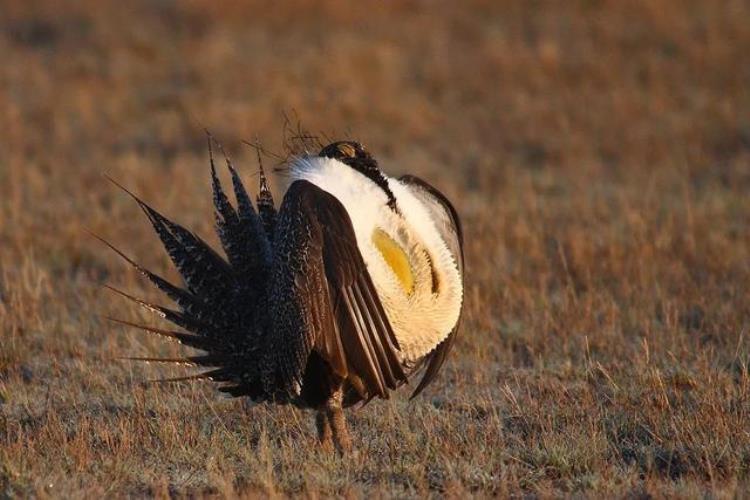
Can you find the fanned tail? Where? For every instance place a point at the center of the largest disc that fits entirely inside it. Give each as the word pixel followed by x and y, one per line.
pixel 266 207
pixel 220 304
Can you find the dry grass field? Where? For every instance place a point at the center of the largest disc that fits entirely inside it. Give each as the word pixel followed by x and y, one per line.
pixel 598 152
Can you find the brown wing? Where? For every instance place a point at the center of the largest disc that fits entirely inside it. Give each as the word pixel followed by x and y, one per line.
pixel 325 299
pixel 449 225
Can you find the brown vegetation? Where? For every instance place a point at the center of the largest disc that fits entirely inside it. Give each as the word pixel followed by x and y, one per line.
pixel 598 151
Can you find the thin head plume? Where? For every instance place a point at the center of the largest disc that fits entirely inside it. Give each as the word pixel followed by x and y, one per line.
pixel 349 133
pixel 286 132
pixel 260 149
pixel 296 142
pixel 297 139
pixel 281 162
pixel 327 137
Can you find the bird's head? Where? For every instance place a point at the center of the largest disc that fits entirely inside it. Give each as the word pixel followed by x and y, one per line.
pixel 350 153
pixel 354 155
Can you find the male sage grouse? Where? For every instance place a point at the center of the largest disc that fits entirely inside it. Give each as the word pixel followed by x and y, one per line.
pixel 354 284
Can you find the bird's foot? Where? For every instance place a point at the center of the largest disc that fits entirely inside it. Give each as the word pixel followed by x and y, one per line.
pixel 340 432
pixel 325 435
pixel 337 423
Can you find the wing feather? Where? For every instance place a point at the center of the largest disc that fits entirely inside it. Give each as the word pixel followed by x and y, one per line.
pixel 449 225
pixel 345 322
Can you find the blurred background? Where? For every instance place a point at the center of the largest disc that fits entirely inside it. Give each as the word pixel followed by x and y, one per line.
pixel 598 152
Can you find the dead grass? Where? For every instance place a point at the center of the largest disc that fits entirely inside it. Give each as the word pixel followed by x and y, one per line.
pixel 599 154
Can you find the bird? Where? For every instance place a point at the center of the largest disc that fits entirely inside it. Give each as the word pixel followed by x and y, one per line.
pixel 338 296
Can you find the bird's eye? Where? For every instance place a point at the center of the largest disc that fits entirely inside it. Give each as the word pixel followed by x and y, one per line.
pixel 347 150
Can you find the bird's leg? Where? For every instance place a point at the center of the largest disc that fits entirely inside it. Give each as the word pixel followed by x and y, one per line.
pixel 337 421
pixel 324 428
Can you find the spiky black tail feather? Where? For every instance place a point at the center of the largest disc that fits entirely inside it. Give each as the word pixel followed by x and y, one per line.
pixel 220 304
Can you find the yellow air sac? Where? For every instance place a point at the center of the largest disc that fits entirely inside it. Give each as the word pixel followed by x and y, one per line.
pixel 396 259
